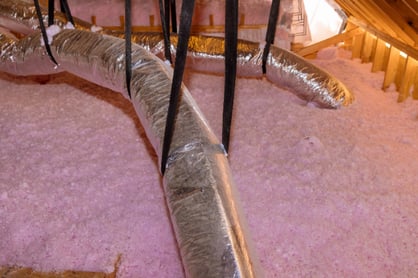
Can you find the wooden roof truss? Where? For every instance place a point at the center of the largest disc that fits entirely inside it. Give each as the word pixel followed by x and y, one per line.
pixel 384 33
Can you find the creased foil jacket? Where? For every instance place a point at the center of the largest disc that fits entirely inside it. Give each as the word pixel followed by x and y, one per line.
pixel 197 182
pixel 206 54
pixel 198 186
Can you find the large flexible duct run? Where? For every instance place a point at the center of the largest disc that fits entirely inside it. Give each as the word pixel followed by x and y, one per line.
pixel 206 54
pixel 197 183
pixel 198 186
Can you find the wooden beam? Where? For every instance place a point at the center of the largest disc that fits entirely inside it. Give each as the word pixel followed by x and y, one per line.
pixel 408 78
pixel 378 14
pixel 415 92
pixel 328 42
pixel 397 22
pixel 151 20
pixel 391 68
pixel 93 20
pixel 379 56
pixel 361 13
pixel 43 3
pixel 358 41
pixel 410 50
pixel 408 10
pixel 400 72
pixel 348 42
pixel 412 4
pixel 368 47
pixel 122 21
pixel 211 20
pixel 241 20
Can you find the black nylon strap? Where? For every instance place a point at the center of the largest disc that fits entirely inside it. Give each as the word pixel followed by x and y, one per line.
pixel 165 24
pixel 51 8
pixel 128 46
pixel 170 12
pixel 231 41
pixel 167 5
pixel 66 10
pixel 43 31
pixel 271 30
pixel 173 16
pixel 184 34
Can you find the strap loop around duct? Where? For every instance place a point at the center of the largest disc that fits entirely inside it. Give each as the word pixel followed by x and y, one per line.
pixel 65 8
pixel 43 31
pixel 271 31
pixel 128 46
pixel 181 54
pixel 231 43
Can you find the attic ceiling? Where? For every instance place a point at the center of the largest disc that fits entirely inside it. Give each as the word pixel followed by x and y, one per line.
pixel 396 18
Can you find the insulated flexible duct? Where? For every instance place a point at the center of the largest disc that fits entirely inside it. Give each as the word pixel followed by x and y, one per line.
pixel 197 183
pixel 206 54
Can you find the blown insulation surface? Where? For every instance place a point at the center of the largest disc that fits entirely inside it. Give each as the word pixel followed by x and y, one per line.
pixel 325 192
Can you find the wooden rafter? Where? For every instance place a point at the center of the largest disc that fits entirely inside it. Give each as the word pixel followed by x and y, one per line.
pixel 389 13
pixel 408 10
pixel 397 19
pixel 407 48
pixel 310 49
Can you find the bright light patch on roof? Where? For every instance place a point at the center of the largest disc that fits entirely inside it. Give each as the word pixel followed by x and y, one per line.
pixel 324 21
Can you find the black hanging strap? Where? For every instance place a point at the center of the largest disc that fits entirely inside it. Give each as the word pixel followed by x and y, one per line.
pixel 43 31
pixel 231 41
pixel 165 24
pixel 167 5
pixel 66 10
pixel 184 34
pixel 173 16
pixel 271 30
pixel 51 9
pixel 128 46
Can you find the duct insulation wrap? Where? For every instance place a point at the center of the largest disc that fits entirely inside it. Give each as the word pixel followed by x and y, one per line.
pixel 284 68
pixel 197 183
pixel 206 54
pixel 198 186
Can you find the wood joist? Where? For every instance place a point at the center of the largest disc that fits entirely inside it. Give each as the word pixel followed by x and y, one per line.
pixel 396 18
pixel 384 33
pixel 399 61
pixel 390 40
pixel 400 68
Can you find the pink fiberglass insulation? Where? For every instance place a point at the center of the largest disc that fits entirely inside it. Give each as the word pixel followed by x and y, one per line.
pixel 325 192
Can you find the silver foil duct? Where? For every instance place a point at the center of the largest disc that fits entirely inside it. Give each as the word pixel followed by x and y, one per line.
pixel 206 54
pixel 198 185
